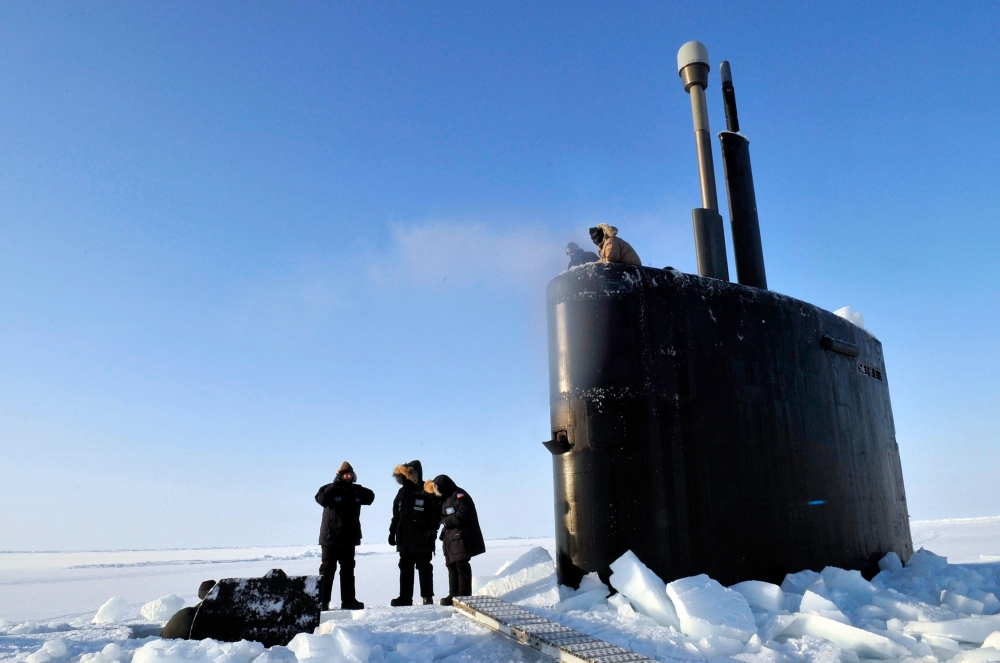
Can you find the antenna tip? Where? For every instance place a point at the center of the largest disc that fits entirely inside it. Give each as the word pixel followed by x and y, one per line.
pixel 693 52
pixel 725 72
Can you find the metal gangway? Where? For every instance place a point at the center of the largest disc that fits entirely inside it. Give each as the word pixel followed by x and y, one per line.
pixel 551 638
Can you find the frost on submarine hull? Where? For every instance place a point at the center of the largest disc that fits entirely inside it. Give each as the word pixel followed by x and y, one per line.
pixel 713 427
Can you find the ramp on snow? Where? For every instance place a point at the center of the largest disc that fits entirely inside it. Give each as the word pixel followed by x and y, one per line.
pixel 551 638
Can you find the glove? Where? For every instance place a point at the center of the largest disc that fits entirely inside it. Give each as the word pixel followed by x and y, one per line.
pixel 442 535
pixel 392 538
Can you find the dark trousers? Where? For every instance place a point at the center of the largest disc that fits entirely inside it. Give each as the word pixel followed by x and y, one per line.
pixel 460 579
pixel 333 555
pixel 422 561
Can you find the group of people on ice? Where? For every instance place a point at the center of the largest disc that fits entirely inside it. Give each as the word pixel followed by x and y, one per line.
pixel 422 508
pixel 419 510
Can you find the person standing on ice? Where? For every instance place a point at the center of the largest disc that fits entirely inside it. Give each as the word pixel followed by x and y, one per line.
pixel 462 539
pixel 340 534
pixel 612 247
pixel 578 256
pixel 416 516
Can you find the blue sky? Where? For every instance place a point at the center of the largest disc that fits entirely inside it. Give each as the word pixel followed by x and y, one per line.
pixel 242 242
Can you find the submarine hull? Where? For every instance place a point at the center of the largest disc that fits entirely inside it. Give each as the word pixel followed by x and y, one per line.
pixel 715 428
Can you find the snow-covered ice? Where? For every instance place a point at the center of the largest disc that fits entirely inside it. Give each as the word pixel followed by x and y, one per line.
pixel 643 589
pixel 761 596
pixel 529 580
pixel 926 611
pixel 706 608
pixel 115 609
pixel 162 608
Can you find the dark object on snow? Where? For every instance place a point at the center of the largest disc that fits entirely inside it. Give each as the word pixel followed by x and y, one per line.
pixel 204 588
pixel 739 187
pixel 179 625
pixel 140 631
pixel 704 426
pixel 340 532
pixel 270 610
pixel 416 516
pixel 578 256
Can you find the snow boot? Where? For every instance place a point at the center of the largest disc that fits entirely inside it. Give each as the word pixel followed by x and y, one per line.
pixel 428 600
pixel 353 604
pixel 446 600
pixel 400 602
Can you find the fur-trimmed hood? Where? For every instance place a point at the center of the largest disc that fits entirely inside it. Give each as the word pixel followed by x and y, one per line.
pixel 412 472
pixel 344 468
pixel 609 231
pixel 442 486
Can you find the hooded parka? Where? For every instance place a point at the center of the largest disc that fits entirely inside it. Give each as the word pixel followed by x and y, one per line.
pixel 416 514
pixel 342 502
pixel 615 249
pixel 462 539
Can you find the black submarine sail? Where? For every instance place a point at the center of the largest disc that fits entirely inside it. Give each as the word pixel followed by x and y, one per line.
pixel 713 427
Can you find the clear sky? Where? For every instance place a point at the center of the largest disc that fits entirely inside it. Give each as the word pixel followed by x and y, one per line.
pixel 242 242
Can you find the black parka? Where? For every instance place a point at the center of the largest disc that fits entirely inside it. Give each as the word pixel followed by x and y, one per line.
pixel 581 257
pixel 416 515
pixel 342 502
pixel 462 539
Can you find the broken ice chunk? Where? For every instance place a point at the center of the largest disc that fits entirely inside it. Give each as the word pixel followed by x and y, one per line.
pixel 582 601
pixel 114 610
pixel 944 648
pixel 643 589
pixel 308 646
pixel 990 603
pixel 162 608
pixel 276 654
pixel 962 604
pixel 706 608
pixel 908 608
pixel 862 643
pixel 851 583
pixel 589 583
pixel 967 629
pixel 798 583
pixel 762 596
pixel 924 562
pixel 992 640
pixel 814 603
pixel 988 654
pixel 529 580
pixel 890 563
pixel 49 651
pixel 771 625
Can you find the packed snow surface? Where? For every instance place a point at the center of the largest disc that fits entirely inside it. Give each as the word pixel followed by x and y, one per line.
pixel 928 610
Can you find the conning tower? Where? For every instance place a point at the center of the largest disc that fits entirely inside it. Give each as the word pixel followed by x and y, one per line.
pixel 716 427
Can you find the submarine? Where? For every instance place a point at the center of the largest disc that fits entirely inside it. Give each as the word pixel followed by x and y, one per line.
pixel 710 426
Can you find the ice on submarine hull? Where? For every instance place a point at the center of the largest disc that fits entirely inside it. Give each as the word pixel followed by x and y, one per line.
pixel 716 428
